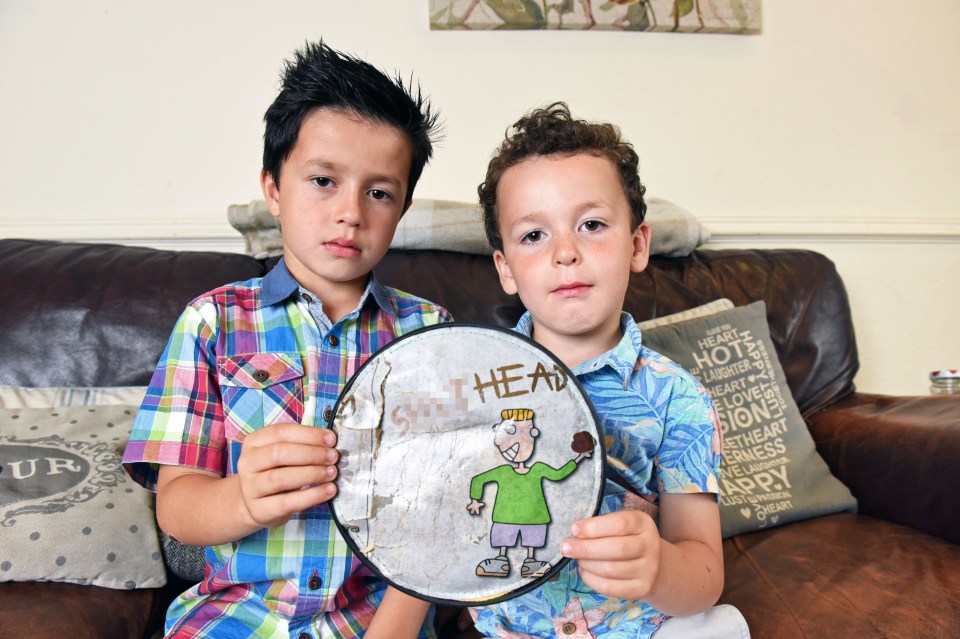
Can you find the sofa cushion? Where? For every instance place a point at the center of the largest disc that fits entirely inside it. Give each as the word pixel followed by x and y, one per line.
pixel 106 311
pixel 98 314
pixel 68 511
pixel 771 473
pixel 60 610
pixel 843 575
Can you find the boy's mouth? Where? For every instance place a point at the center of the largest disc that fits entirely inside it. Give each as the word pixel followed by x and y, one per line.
pixel 342 247
pixel 571 289
pixel 511 453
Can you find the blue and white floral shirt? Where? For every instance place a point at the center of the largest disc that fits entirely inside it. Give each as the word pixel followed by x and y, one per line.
pixel 661 435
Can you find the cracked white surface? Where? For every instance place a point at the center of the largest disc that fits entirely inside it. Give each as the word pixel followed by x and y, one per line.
pixel 414 430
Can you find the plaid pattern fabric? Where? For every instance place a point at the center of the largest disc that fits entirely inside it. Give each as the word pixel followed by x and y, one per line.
pixel 240 359
pixel 661 435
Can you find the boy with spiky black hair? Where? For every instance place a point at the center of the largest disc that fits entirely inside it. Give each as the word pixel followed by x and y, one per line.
pixel 230 433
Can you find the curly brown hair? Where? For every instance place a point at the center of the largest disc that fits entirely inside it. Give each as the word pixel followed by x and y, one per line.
pixel 554 131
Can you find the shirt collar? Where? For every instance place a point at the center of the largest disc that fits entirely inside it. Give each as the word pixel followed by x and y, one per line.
pixel 279 286
pixel 622 358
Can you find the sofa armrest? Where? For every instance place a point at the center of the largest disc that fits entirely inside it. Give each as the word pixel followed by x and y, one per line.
pixel 899 456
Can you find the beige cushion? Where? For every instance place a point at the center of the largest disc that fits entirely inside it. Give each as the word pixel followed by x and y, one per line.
pixel 68 510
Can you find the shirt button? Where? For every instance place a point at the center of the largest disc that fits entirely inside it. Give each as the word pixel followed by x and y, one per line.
pixel 307 298
pixel 333 340
pixel 305 635
pixel 261 375
pixel 326 414
pixel 314 583
pixel 568 628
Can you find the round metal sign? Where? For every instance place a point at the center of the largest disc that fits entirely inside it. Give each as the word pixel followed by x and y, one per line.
pixel 466 454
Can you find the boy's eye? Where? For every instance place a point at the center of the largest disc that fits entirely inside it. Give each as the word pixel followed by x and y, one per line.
pixel 322 181
pixel 532 237
pixel 592 225
pixel 379 194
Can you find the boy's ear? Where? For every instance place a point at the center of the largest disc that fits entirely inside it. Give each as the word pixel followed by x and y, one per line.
pixel 641 248
pixel 503 269
pixel 271 192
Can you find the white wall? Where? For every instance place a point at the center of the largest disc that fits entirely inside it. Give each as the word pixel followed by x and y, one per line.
pixel 837 129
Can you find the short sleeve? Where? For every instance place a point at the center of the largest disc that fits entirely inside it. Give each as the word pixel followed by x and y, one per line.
pixel 688 460
pixel 180 422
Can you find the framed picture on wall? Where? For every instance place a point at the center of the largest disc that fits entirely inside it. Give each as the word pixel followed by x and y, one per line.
pixel 679 16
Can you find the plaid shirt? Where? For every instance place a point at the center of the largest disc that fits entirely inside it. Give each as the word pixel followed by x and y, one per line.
pixel 241 357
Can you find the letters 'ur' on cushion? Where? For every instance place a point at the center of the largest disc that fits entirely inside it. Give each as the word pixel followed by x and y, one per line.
pixel 771 473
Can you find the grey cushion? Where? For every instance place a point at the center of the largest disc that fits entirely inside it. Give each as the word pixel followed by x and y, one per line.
pixel 771 472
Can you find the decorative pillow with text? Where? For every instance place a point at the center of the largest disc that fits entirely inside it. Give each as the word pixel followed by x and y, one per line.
pixel 771 473
pixel 68 510
pixel 185 561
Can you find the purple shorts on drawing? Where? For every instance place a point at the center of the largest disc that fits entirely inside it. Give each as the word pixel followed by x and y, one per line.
pixel 505 535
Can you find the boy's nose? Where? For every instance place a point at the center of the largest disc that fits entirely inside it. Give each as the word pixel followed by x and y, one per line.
pixel 350 207
pixel 565 251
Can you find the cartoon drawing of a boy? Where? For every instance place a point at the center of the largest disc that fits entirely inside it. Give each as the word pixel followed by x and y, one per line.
pixel 520 507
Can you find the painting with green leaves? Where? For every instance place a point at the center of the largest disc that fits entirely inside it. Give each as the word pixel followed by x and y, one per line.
pixel 681 16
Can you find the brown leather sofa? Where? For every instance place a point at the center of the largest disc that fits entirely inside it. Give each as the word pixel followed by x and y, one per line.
pixel 99 315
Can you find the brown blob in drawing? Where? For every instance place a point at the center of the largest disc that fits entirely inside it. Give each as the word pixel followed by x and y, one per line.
pixel 583 442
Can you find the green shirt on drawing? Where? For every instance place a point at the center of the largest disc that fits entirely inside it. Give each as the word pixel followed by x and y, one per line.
pixel 520 499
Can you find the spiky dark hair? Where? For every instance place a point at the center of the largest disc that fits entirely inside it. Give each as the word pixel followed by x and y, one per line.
pixel 320 77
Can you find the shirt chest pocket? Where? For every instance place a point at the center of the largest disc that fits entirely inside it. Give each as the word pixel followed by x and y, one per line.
pixel 260 389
